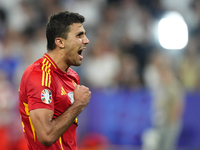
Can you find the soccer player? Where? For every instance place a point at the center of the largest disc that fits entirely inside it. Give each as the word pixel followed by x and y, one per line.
pixel 50 94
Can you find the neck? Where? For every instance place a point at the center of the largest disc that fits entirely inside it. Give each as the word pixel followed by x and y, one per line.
pixel 58 58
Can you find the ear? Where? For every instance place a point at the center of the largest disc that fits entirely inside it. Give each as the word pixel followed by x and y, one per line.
pixel 59 42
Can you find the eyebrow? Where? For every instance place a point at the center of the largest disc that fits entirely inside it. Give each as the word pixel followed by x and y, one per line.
pixel 81 33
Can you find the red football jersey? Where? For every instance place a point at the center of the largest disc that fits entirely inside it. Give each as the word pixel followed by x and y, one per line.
pixel 44 85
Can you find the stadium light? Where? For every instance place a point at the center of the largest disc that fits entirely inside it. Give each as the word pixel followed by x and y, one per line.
pixel 172 31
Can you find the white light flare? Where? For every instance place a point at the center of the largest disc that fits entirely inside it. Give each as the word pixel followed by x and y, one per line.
pixel 173 31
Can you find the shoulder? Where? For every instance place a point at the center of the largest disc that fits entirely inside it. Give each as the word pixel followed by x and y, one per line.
pixel 34 68
pixel 36 73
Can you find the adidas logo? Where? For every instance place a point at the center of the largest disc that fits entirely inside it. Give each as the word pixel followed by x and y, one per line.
pixel 63 91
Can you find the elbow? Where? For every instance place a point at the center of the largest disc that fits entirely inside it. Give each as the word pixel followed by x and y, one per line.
pixel 46 141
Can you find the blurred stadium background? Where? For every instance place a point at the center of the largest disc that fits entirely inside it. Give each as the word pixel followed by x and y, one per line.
pixel 141 88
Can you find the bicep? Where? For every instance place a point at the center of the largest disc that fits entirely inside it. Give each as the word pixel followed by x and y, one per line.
pixel 41 119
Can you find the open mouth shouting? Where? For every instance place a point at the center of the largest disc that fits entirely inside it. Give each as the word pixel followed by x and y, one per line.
pixel 80 52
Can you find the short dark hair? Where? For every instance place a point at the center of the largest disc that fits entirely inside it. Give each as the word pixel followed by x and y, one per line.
pixel 58 26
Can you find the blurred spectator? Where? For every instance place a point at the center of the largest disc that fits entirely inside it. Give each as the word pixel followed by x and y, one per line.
pixel 10 51
pixel 189 67
pixel 3 24
pixel 137 38
pixel 38 44
pixel 20 16
pixel 10 131
pixel 89 8
pixel 154 7
pixel 167 104
pixel 101 66
pixel 128 75
pixel 138 22
pixel 112 25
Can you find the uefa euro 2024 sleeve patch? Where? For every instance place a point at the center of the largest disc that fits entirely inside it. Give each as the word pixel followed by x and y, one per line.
pixel 46 96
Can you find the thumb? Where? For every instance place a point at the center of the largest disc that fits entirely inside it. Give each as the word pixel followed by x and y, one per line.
pixel 76 86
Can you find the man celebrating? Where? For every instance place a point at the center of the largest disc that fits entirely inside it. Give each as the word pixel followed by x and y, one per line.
pixel 50 97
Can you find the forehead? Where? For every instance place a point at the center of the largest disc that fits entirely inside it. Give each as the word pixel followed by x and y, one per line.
pixel 76 28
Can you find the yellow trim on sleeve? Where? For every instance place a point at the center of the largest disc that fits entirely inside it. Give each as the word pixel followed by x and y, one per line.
pixel 60 140
pixel 28 114
pixel 46 76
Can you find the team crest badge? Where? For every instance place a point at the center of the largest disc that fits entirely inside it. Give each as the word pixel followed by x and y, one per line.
pixel 71 97
pixel 46 96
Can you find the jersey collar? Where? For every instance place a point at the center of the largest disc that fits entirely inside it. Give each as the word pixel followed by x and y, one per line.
pixel 48 59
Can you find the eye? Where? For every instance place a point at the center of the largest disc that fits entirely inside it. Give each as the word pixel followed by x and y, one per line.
pixel 80 34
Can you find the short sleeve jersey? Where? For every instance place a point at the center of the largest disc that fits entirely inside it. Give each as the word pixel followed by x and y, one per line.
pixel 44 85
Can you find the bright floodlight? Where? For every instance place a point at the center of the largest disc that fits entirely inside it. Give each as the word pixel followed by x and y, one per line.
pixel 173 31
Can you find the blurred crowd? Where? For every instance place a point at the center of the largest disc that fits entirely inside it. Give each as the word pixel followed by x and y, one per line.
pixel 123 52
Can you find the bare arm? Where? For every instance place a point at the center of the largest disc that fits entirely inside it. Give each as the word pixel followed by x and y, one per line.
pixel 48 130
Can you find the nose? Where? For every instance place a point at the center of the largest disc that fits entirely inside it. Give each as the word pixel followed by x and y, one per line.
pixel 86 40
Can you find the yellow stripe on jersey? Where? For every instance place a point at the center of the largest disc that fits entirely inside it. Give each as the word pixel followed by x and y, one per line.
pixel 28 114
pixel 43 63
pixel 43 73
pixel 46 76
pixel 51 61
pixel 60 140
pixel 49 76
pixel 46 81
pixel 47 62
pixel 22 124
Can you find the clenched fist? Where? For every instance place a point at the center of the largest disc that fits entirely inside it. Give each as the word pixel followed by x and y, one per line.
pixel 82 95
